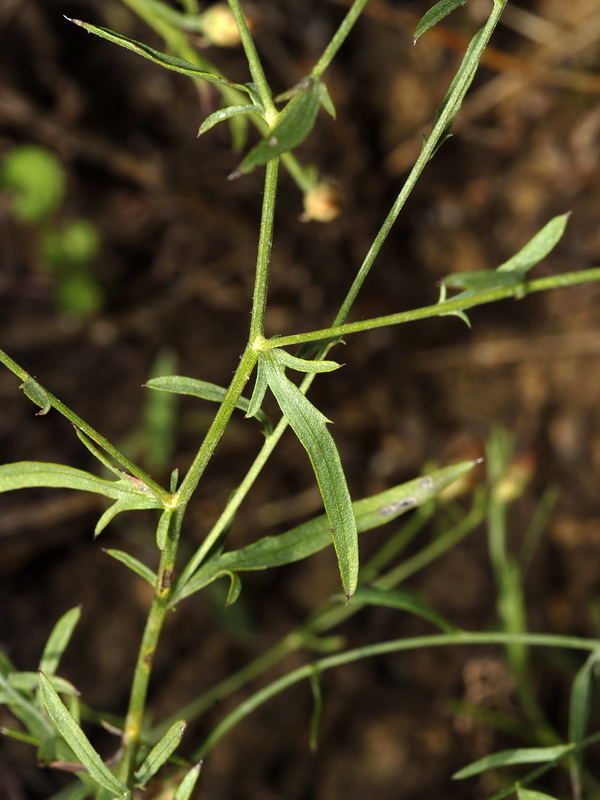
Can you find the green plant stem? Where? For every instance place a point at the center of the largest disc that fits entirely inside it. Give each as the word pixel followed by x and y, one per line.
pixel 384 648
pixel 161 494
pixel 446 308
pixel 339 37
pixel 145 661
pixel 263 260
pixel 256 69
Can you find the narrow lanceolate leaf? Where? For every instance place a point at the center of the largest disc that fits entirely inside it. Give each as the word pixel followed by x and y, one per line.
pixel 579 711
pixel 186 787
pixel 78 741
pixel 507 758
pixel 403 601
pixel 538 247
pixel 292 125
pixel 435 15
pixel 204 390
pixel 58 641
pixel 136 566
pixel 163 59
pixel 225 113
pixel 309 425
pixel 160 753
pixel 314 535
pixel 531 794
pixel 303 364
pixel 29 681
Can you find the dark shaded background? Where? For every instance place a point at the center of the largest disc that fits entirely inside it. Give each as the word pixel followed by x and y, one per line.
pixel 176 269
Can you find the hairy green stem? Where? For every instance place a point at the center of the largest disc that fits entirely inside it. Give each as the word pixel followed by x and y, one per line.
pixel 446 308
pixel 154 623
pixel 339 37
pixel 263 260
pixel 384 648
pixel 256 68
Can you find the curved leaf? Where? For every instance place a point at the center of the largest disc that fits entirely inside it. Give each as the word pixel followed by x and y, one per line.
pixel 309 425
pixel 403 601
pixel 78 741
pixel 204 390
pixel 37 394
pixel 538 247
pixel 186 787
pixel 314 535
pixel 58 641
pixel 434 15
pixel 506 758
pixel 160 753
pixel 136 566
pixel 163 59
pixel 225 113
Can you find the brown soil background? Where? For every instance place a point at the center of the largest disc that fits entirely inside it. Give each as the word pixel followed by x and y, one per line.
pixel 176 268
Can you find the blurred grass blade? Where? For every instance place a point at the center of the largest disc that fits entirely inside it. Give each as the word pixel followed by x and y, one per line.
pixel 163 59
pixel 78 741
pixel 531 794
pixel 312 536
pixel 507 758
pixel 309 425
pixel 315 717
pixel 29 681
pixel 434 15
pixel 58 641
pixel 538 247
pixel 136 566
pixel 187 785
pixel 204 390
pixel 403 601
pixel 160 753
pixel 579 712
pixel 292 125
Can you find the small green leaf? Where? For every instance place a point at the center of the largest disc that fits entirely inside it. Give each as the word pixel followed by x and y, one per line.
pixel 164 60
pixel 162 531
pixel 160 753
pixel 314 535
pixel 136 566
pixel 317 709
pixel 403 601
pixel 309 425
pixel 206 391
pixel 78 741
pixel 303 364
pixel 530 794
pixel 260 388
pixel 538 247
pixel 291 127
pixel 58 641
pixel 507 758
pixel 434 15
pixel 225 113
pixel 37 394
pixel 186 787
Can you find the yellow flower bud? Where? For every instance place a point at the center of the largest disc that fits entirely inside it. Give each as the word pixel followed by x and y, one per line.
pixel 322 203
pixel 218 25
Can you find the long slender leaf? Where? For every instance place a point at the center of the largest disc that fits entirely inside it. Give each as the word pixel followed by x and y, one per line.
pixel 163 59
pixel 314 535
pixel 29 681
pixel 204 390
pixel 160 753
pixel 436 14
pixel 134 564
pixel 58 641
pixel 531 794
pixel 225 113
pixel 507 758
pixel 579 711
pixel 309 425
pixel 78 741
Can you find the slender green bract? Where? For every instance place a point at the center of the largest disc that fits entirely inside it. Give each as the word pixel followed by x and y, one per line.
pixel 436 14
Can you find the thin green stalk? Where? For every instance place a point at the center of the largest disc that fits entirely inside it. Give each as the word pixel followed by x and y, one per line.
pixel 263 259
pixel 339 37
pixel 448 307
pixel 385 648
pixel 256 68
pixel 330 614
pixel 154 623
pixel 161 494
